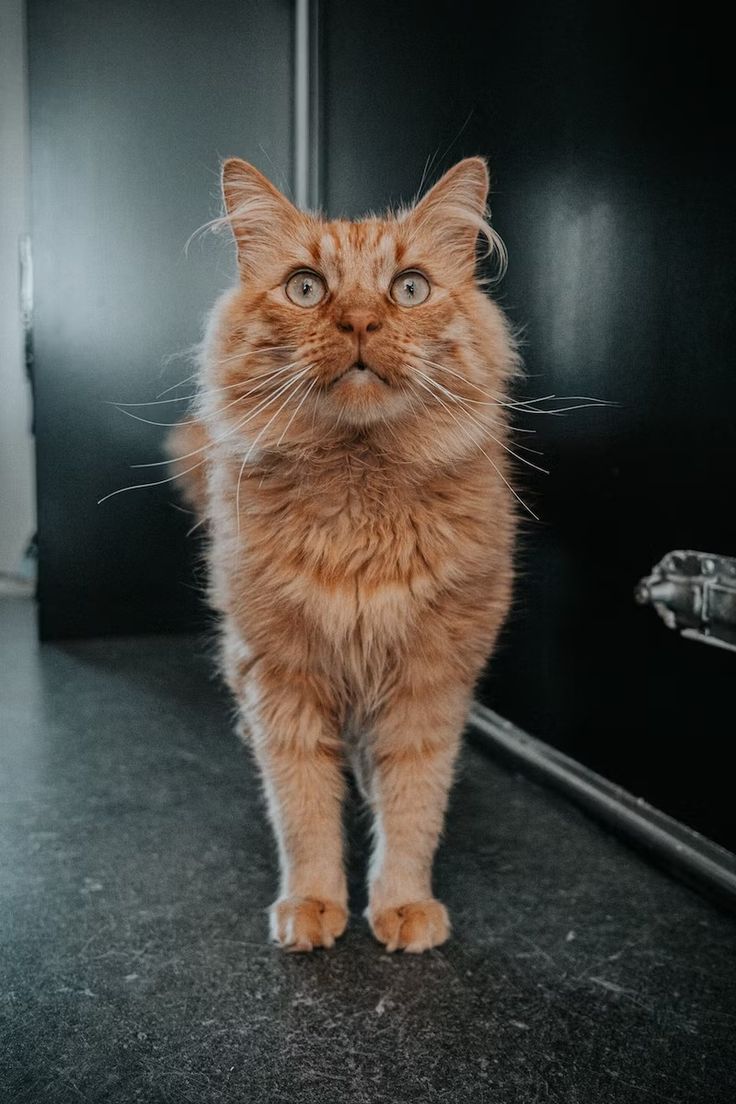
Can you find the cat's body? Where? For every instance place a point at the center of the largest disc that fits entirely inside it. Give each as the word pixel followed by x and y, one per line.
pixel 360 529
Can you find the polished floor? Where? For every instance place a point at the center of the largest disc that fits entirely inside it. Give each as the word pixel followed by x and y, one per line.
pixel 136 866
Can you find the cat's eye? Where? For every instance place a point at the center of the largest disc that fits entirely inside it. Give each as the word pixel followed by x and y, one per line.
pixel 409 289
pixel 305 288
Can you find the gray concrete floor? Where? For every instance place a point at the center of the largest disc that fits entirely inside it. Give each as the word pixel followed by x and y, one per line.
pixel 136 868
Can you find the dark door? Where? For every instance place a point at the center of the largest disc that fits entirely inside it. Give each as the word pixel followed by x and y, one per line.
pixel 609 133
pixel 132 105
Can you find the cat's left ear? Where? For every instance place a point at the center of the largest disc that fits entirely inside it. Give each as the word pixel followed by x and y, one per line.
pixel 452 213
pixel 259 215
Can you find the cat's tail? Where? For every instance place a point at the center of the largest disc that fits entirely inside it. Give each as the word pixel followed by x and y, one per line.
pixel 185 445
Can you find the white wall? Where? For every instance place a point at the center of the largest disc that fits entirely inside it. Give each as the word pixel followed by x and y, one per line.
pixel 17 496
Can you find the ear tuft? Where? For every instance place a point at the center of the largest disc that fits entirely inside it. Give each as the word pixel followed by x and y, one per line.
pixel 242 182
pixel 452 213
pixel 258 213
pixel 466 183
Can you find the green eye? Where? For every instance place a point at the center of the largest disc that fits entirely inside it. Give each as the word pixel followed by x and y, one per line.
pixel 305 288
pixel 409 289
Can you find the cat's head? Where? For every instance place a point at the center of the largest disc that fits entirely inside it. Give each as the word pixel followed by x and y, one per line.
pixel 355 324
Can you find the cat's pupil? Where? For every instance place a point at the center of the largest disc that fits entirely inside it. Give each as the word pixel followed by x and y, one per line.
pixel 409 287
pixel 306 288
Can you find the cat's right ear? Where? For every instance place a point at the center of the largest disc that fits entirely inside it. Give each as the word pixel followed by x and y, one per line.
pixel 259 215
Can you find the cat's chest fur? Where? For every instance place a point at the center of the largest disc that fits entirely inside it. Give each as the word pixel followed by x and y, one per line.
pixel 352 544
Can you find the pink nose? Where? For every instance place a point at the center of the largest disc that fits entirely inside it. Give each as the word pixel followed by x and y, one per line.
pixel 358 321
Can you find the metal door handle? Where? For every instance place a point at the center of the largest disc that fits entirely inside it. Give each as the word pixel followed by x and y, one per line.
pixel 695 594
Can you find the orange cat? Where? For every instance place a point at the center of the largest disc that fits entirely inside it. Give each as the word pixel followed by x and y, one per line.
pixel 349 456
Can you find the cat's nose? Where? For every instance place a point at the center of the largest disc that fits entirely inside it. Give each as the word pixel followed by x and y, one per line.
pixel 358 322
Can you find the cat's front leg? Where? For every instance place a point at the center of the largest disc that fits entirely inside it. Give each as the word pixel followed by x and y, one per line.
pixel 413 747
pixel 292 728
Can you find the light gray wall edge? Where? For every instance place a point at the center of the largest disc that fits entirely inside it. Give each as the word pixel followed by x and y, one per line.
pixel 306 104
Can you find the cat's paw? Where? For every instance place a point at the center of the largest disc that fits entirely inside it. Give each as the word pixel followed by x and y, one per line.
pixel 413 928
pixel 303 923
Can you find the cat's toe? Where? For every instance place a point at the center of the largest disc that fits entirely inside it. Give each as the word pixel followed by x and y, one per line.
pixel 413 928
pixel 303 923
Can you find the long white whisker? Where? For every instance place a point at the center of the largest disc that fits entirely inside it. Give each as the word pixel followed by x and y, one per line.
pixel 488 458
pixel 272 372
pixel 253 445
pixel 524 405
pixel 495 401
pixel 162 402
pixel 157 483
pixel 470 383
pixel 195 375
pixel 148 421
pixel 594 405
pixel 196 526
pixel 263 405
pixel 477 402
pixel 265 378
pixel 462 401
pixel 298 408
pixel 173 387
pixel 485 428
pixel 255 352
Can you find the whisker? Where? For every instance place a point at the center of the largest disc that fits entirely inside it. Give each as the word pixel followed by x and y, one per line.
pixel 253 445
pixel 496 400
pixel 173 386
pixel 191 421
pixel 427 166
pixel 477 402
pixel 263 405
pixel 158 402
pixel 208 391
pixel 256 352
pixel 480 424
pixel 269 378
pixel 488 458
pixel 298 408
pixel 592 405
pixel 148 421
pixel 157 483
pixel 459 399
pixel 196 526
pixel 524 405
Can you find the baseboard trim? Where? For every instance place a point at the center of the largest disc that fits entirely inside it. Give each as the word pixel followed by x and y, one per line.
pixel 695 859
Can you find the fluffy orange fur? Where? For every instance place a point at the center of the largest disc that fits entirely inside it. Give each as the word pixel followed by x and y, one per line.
pixel 349 456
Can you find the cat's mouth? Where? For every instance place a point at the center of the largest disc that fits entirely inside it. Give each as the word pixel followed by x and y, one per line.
pixel 359 371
